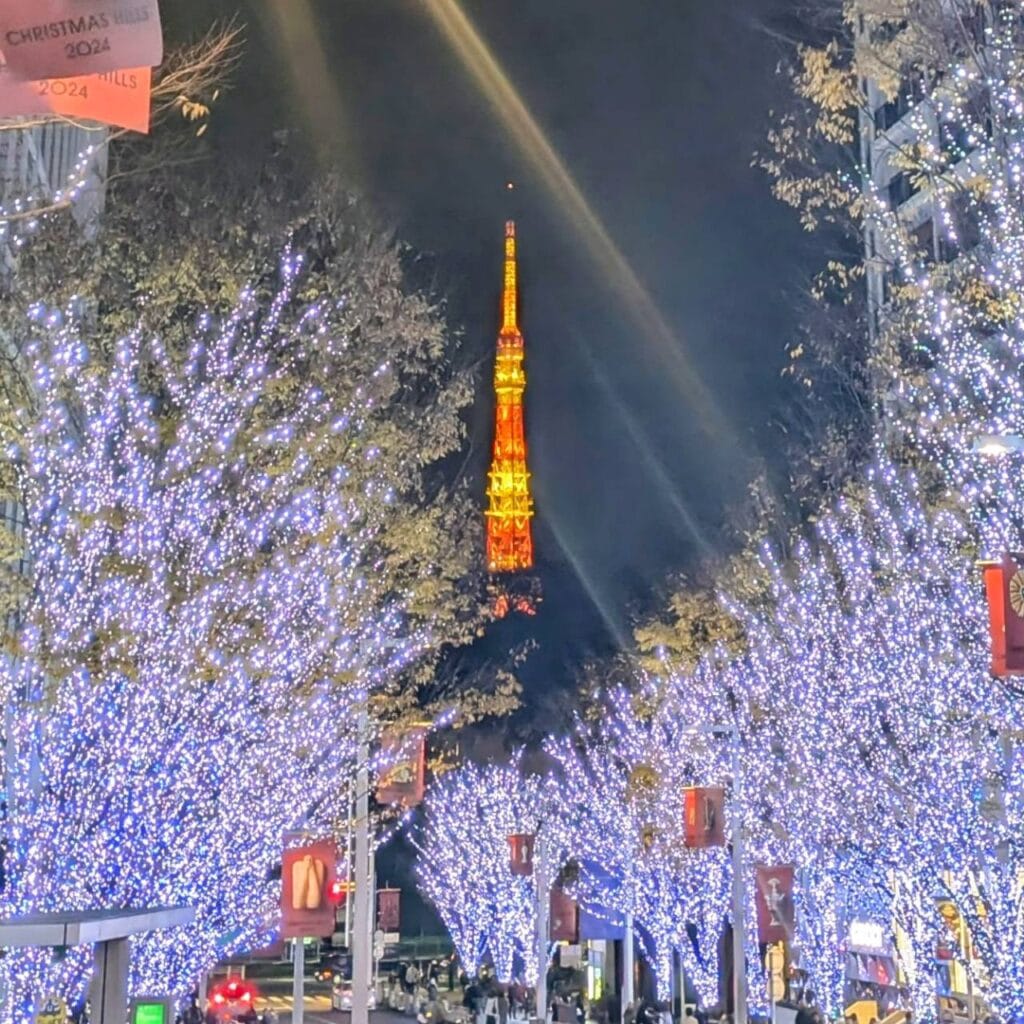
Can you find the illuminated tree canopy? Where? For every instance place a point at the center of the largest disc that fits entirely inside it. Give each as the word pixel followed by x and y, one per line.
pixel 224 527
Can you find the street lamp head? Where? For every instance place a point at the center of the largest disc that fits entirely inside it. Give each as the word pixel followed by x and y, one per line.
pixel 997 445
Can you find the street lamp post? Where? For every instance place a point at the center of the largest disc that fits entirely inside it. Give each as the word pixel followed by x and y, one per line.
pixel 543 908
pixel 361 896
pixel 739 895
pixel 628 968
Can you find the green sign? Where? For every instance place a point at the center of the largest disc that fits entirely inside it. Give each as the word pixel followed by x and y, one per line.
pixel 149 1013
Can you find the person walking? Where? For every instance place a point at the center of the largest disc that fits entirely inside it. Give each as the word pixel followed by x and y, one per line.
pixel 412 975
pixel 471 999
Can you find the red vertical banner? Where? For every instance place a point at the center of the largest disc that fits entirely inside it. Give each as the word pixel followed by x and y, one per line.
pixel 389 910
pixel 776 916
pixel 308 872
pixel 520 853
pixel 403 775
pixel 1004 589
pixel 704 816
pixel 563 917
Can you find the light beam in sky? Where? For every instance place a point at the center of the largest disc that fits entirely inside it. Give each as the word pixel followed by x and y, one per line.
pixel 483 66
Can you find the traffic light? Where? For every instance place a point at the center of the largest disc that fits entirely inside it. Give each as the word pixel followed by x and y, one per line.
pixel 338 892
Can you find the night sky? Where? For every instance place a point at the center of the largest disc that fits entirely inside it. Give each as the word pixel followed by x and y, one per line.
pixel 656 107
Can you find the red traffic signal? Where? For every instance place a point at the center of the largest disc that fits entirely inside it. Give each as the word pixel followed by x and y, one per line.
pixel 338 892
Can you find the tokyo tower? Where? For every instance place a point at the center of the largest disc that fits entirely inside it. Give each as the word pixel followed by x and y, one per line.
pixel 510 504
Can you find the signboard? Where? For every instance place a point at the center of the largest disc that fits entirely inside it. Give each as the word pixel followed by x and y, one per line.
pixel 774 902
pixel 307 874
pixel 775 968
pixel 151 1011
pixel 564 917
pixel 69 38
pixel 1004 588
pixel 704 816
pixel 388 909
pixel 119 98
pixel 520 853
pixel 867 935
pixel 403 777
pixel 571 956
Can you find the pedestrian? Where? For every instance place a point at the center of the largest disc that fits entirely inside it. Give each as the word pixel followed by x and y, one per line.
pixel 806 1013
pixel 451 972
pixel 470 997
pixel 412 975
pixel 516 998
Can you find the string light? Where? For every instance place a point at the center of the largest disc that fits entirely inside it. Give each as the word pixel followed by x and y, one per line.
pixel 463 866
pixel 203 590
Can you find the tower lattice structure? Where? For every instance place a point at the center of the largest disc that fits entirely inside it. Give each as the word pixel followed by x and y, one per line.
pixel 510 503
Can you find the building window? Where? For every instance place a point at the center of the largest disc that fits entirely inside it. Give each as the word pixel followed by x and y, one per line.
pixel 901 188
pixel 911 92
pixel 923 238
pixel 887 115
pixel 889 280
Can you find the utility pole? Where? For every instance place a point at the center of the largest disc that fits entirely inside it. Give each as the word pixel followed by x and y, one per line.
pixel 627 962
pixel 298 979
pixel 543 908
pixel 349 868
pixel 362 897
pixel 739 897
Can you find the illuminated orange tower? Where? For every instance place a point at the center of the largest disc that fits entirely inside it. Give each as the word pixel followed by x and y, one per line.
pixel 510 504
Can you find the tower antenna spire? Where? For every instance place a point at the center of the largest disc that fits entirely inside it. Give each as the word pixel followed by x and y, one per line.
pixel 510 294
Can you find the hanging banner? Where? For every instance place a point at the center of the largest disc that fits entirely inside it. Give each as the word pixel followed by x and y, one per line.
pixel 389 903
pixel 1004 588
pixel 403 778
pixel 563 917
pixel 774 900
pixel 307 873
pixel 120 98
pixel 704 816
pixel 520 853
pixel 70 38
